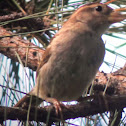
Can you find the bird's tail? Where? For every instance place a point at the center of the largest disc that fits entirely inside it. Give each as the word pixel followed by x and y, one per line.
pixel 28 100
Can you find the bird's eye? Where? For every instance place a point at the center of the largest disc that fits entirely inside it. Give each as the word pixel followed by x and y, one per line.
pixel 98 8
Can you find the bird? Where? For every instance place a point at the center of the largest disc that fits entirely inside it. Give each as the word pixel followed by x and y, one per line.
pixel 73 57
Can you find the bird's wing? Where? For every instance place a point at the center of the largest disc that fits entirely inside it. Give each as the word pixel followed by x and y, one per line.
pixel 44 59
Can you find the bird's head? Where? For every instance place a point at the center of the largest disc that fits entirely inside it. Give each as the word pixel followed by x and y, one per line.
pixel 97 16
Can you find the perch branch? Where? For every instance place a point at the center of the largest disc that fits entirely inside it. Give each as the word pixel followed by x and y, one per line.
pixel 93 105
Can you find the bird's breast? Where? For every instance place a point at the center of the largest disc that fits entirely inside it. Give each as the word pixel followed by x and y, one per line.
pixel 71 68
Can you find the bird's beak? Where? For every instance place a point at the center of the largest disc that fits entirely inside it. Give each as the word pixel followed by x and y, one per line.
pixel 116 16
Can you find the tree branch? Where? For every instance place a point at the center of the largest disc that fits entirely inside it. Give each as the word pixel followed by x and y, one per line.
pixel 29 53
pixel 115 82
pixel 89 106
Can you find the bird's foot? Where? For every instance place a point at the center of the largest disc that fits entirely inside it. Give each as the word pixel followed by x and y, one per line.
pixel 57 106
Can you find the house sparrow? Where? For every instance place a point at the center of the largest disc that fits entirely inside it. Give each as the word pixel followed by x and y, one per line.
pixel 74 56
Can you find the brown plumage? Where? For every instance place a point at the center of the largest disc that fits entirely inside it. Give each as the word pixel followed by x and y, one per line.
pixel 74 56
